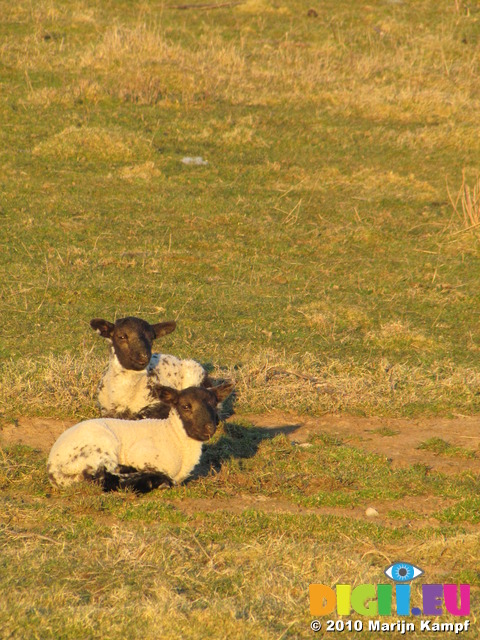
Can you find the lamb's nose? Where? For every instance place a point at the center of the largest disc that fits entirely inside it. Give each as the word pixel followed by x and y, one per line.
pixel 144 359
pixel 211 428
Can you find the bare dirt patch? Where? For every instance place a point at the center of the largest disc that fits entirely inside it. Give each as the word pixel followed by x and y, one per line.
pixel 420 509
pixel 39 433
pixel 397 439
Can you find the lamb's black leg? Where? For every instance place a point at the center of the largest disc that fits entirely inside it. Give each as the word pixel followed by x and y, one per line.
pixel 138 481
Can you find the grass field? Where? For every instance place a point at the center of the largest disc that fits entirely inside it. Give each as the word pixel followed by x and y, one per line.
pixel 326 256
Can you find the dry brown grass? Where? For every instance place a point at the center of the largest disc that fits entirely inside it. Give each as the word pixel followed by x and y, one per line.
pixel 369 184
pixel 92 143
pixel 65 386
pixel 142 65
pixel 132 567
pixel 344 385
pixel 397 334
pixel 391 72
pixel 146 171
pixel 469 199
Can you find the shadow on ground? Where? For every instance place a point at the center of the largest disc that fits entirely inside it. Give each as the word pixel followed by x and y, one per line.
pixel 237 442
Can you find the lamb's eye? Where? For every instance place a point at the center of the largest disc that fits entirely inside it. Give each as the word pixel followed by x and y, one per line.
pixel 123 337
pixel 187 407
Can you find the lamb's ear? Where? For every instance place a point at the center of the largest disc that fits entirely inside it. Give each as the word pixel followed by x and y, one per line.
pixel 223 390
pixel 162 328
pixel 102 327
pixel 167 395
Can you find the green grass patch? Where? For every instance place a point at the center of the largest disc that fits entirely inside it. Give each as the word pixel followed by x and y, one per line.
pixel 466 510
pixel 443 448
pixel 385 432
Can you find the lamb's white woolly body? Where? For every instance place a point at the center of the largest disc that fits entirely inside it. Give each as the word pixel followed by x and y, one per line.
pixel 109 443
pixel 125 391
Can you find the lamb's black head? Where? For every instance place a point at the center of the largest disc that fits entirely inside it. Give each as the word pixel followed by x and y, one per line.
pixel 197 407
pixel 132 339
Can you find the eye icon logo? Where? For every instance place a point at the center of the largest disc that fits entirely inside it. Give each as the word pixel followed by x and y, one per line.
pixel 403 572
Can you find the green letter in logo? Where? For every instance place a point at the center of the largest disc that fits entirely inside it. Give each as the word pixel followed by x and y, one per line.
pixel 360 595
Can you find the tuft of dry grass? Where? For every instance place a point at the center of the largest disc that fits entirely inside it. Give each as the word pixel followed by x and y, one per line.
pixel 65 384
pixel 143 66
pixel 398 335
pixel 92 143
pixel 69 95
pixel 145 171
pixel 469 199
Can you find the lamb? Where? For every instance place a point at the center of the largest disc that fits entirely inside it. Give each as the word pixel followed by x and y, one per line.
pixel 127 388
pixel 148 452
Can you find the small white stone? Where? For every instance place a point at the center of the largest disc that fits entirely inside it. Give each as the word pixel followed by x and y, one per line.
pixel 197 160
pixel 371 512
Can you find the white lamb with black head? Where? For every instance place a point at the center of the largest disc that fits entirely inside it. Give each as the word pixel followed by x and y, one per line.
pixel 127 389
pixel 144 454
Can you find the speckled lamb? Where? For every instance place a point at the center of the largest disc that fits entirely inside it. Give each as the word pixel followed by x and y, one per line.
pixel 121 453
pixel 127 387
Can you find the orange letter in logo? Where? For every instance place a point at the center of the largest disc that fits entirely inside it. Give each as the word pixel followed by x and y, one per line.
pixel 322 600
